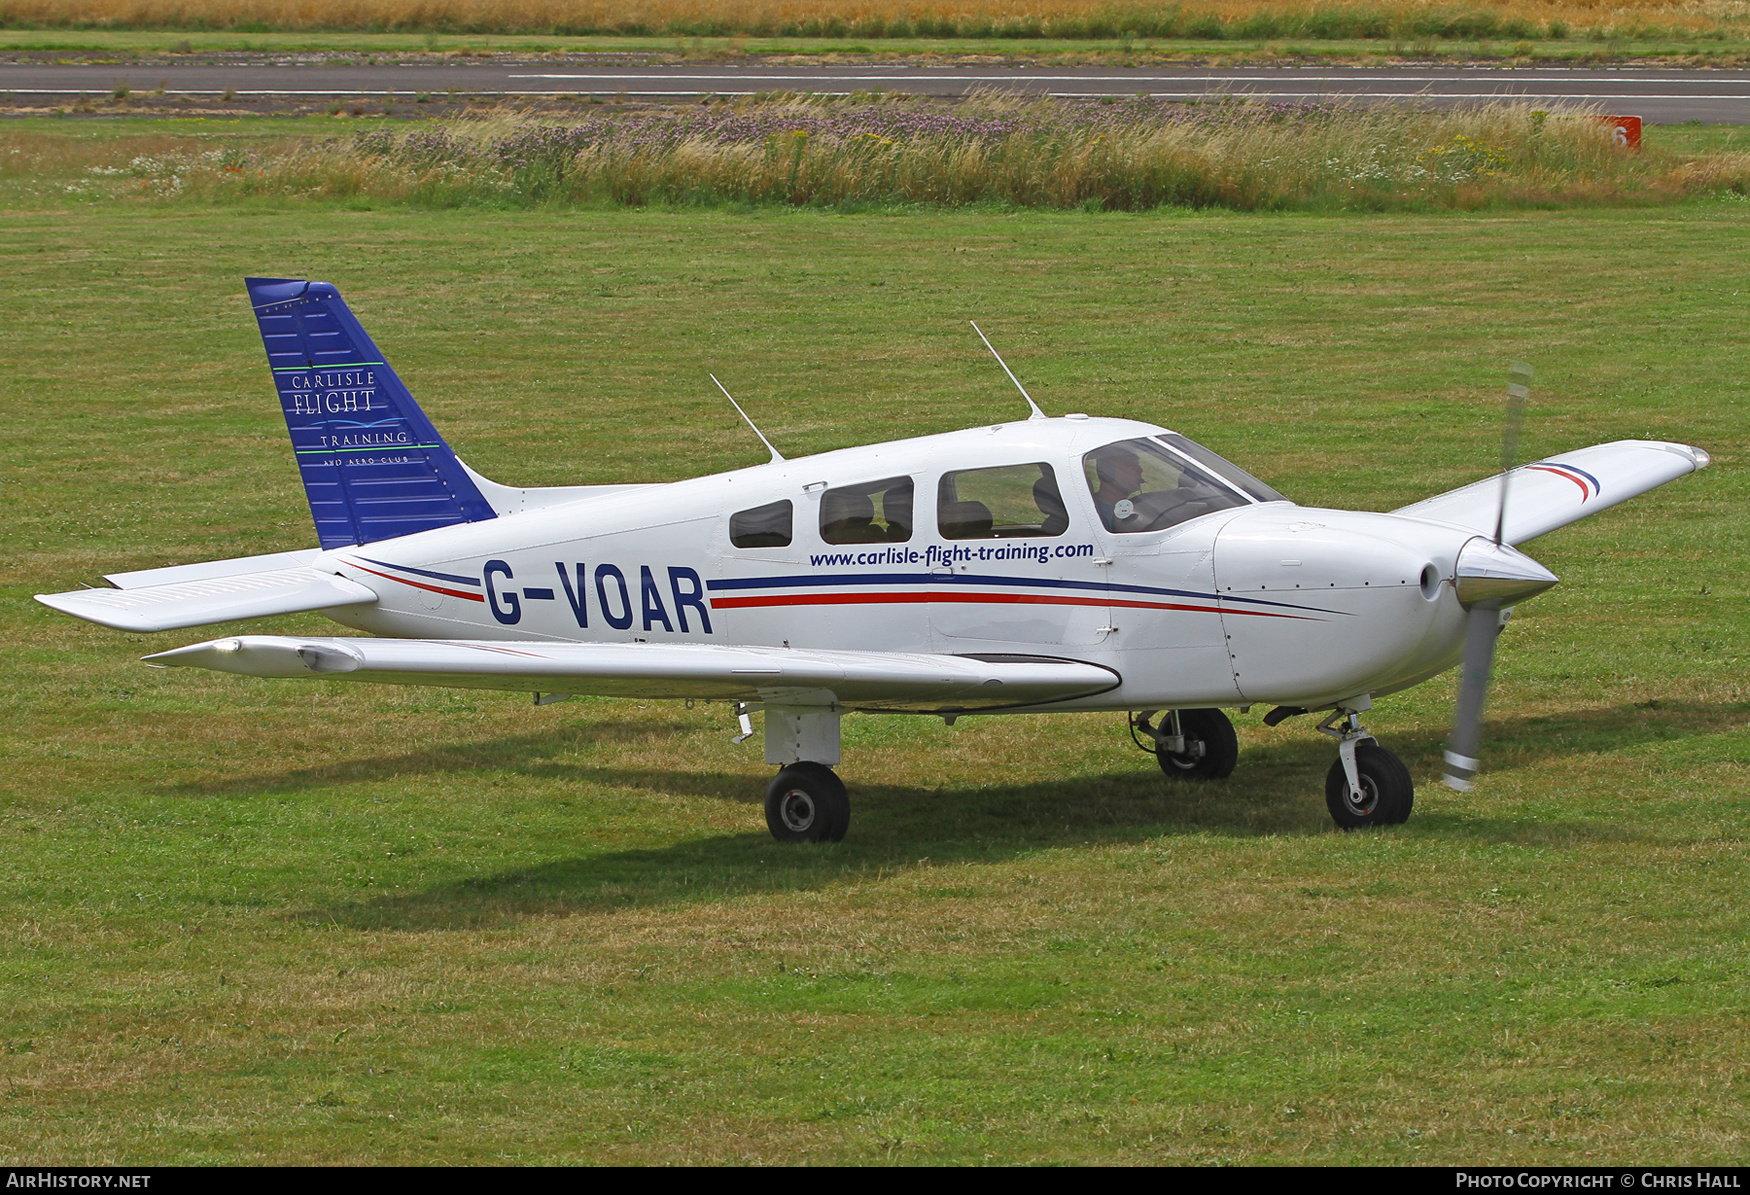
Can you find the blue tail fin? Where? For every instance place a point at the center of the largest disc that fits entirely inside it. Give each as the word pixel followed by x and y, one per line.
pixel 373 465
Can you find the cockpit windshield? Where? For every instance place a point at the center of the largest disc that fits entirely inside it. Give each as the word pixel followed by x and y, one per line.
pixel 1139 486
pixel 1222 467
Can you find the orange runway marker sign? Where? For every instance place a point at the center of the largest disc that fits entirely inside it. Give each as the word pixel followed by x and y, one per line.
pixel 1624 130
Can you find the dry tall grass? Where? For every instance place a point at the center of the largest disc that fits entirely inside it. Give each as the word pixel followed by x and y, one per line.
pixel 911 18
pixel 1133 155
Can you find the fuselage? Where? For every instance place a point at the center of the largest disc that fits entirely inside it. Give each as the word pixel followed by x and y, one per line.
pixel 903 546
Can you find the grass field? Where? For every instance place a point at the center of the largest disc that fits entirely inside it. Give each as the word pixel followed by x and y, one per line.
pixel 272 922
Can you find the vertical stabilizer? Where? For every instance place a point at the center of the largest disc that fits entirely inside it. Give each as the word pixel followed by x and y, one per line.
pixel 373 465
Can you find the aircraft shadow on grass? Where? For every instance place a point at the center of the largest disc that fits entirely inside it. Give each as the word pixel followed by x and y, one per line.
pixel 902 828
pixel 1516 742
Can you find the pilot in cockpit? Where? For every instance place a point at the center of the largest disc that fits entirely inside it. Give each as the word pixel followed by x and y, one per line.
pixel 1120 476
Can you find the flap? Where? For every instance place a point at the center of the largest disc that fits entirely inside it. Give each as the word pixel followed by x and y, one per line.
pixel 215 599
pixel 1552 493
pixel 775 676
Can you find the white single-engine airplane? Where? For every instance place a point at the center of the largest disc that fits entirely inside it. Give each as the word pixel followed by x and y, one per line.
pixel 1070 563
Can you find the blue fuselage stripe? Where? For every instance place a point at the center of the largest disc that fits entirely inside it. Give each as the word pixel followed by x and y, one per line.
pixel 420 572
pixel 986 579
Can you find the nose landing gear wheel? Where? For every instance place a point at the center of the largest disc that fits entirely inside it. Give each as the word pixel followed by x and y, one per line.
pixel 807 803
pixel 1212 748
pixel 1387 792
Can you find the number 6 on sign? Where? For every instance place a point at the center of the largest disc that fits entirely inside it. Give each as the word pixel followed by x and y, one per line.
pixel 1625 131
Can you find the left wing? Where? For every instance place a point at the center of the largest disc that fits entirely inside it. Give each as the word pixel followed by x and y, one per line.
pixel 870 680
pixel 1559 490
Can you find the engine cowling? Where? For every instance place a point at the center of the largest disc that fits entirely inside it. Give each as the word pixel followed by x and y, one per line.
pixel 1319 605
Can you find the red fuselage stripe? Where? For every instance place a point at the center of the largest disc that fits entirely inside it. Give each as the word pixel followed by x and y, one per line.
pixel 472 597
pixel 859 599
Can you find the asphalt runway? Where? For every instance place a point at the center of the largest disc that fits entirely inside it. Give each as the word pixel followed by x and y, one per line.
pixel 1658 96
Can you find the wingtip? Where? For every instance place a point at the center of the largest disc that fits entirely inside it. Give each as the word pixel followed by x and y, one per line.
pixel 116 620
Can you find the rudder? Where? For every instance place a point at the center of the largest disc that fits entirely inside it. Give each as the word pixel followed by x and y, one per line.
pixel 373 465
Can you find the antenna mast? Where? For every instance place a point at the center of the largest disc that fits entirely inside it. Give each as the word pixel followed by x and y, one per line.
pixel 1037 413
pixel 777 458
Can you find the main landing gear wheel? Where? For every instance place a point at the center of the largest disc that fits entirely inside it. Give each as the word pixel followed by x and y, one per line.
pixel 807 803
pixel 1211 747
pixel 1387 792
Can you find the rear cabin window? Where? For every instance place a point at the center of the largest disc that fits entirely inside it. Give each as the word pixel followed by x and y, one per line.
pixel 876 512
pixel 1006 502
pixel 765 526
pixel 1139 486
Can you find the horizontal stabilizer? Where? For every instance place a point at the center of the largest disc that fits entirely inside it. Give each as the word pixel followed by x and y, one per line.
pixel 777 676
pixel 208 569
pixel 1559 490
pixel 201 602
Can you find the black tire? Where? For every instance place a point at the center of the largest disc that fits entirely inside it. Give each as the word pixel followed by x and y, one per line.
pixel 1388 792
pixel 1221 747
pixel 807 803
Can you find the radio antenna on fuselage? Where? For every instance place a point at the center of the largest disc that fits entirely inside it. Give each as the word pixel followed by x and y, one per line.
pixel 777 457
pixel 1037 413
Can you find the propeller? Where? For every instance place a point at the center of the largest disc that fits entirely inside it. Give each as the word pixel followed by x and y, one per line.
pixel 1489 577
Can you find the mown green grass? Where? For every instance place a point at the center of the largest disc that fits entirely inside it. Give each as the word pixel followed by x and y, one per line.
pixel 277 922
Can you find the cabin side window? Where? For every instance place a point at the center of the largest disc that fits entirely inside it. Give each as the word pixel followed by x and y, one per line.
pixel 1006 502
pixel 1139 486
pixel 875 512
pixel 765 526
